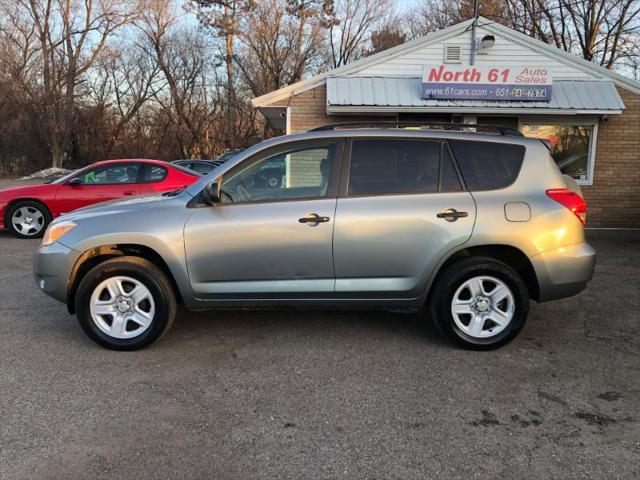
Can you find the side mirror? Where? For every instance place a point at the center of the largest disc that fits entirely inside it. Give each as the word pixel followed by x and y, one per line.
pixel 74 182
pixel 211 193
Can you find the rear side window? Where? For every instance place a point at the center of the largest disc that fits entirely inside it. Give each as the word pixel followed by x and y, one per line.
pixel 487 165
pixel 383 166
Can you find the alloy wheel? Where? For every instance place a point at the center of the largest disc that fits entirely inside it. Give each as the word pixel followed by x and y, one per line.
pixel 28 221
pixel 122 307
pixel 483 306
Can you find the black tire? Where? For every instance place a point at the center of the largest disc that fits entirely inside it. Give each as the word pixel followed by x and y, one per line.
pixel 452 279
pixel 35 207
pixel 146 273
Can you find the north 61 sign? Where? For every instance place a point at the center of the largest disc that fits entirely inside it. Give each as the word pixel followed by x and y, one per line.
pixel 486 82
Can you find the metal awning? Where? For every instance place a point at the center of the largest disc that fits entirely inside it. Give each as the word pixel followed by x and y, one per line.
pixel 402 94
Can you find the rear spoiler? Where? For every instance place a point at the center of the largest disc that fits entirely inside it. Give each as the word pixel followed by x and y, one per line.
pixel 546 143
pixel 572 184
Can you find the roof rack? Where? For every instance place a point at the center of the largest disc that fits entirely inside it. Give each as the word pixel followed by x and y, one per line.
pixel 500 129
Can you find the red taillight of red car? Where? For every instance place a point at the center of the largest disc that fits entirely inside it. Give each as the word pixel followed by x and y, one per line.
pixel 570 200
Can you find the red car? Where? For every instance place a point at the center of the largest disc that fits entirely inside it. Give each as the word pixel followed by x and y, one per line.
pixel 27 211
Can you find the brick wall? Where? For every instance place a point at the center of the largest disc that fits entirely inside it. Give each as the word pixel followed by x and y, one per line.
pixel 304 168
pixel 613 199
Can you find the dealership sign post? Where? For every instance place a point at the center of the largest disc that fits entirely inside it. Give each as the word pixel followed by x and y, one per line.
pixel 486 82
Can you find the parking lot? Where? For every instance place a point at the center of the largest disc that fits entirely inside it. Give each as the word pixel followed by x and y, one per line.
pixel 322 394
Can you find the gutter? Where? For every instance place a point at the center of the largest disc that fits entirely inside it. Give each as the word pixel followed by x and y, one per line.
pixel 347 109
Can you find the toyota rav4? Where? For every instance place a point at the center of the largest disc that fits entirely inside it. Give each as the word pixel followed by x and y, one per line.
pixel 470 226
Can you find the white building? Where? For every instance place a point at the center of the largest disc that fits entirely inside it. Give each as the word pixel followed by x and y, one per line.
pixel 589 115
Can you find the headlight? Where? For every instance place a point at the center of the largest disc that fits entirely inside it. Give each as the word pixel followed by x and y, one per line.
pixel 56 231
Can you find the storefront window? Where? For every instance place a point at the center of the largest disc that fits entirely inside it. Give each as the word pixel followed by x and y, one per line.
pixel 570 146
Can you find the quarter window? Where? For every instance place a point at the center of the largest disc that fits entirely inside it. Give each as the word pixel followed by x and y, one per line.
pixel 570 146
pixel 488 165
pixel 384 166
pixel 301 172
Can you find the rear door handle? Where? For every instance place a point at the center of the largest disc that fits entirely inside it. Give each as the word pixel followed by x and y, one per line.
pixel 451 215
pixel 313 219
pixel 129 193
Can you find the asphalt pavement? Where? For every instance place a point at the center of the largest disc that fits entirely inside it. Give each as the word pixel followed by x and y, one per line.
pixel 323 394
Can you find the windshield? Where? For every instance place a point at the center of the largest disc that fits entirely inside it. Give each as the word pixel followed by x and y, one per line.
pixel 195 188
pixel 64 177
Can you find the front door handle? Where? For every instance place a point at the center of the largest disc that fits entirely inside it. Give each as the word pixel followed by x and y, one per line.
pixel 451 215
pixel 129 193
pixel 313 219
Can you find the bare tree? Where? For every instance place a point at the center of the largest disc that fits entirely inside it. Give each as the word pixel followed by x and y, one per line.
pixel 389 34
pixel 82 80
pixel 223 17
pixel 126 78
pixel 191 101
pixel 353 22
pixel 310 18
pixel 601 31
pixel 279 43
pixel 432 15
pixel 61 40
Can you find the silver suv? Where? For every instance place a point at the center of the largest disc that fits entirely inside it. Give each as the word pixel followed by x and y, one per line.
pixel 469 225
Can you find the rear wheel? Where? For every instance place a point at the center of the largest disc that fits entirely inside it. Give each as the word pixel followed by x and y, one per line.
pixel 125 303
pixel 480 303
pixel 28 219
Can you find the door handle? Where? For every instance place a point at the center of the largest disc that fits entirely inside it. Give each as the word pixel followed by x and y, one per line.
pixel 129 193
pixel 313 219
pixel 451 215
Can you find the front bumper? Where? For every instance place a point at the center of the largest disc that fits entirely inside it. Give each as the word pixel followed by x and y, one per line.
pixel 3 210
pixel 564 272
pixel 52 266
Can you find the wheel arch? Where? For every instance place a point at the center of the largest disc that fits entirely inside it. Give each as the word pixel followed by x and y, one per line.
pixel 95 256
pixel 507 254
pixel 13 202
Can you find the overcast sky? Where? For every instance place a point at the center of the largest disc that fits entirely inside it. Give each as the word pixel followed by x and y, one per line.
pixel 404 4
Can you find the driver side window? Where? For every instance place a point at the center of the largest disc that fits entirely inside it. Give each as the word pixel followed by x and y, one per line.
pixel 303 171
pixel 113 174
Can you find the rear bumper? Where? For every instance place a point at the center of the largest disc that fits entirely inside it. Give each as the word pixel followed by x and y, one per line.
pixel 52 265
pixel 565 271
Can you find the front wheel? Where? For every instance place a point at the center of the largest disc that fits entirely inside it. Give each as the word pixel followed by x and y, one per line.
pixel 125 303
pixel 480 303
pixel 28 219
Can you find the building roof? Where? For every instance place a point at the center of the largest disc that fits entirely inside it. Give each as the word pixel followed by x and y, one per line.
pixel 376 93
pixel 542 48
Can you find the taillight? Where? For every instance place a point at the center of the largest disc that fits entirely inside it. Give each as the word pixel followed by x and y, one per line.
pixel 571 200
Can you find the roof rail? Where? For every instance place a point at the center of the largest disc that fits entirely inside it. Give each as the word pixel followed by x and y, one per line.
pixel 500 129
